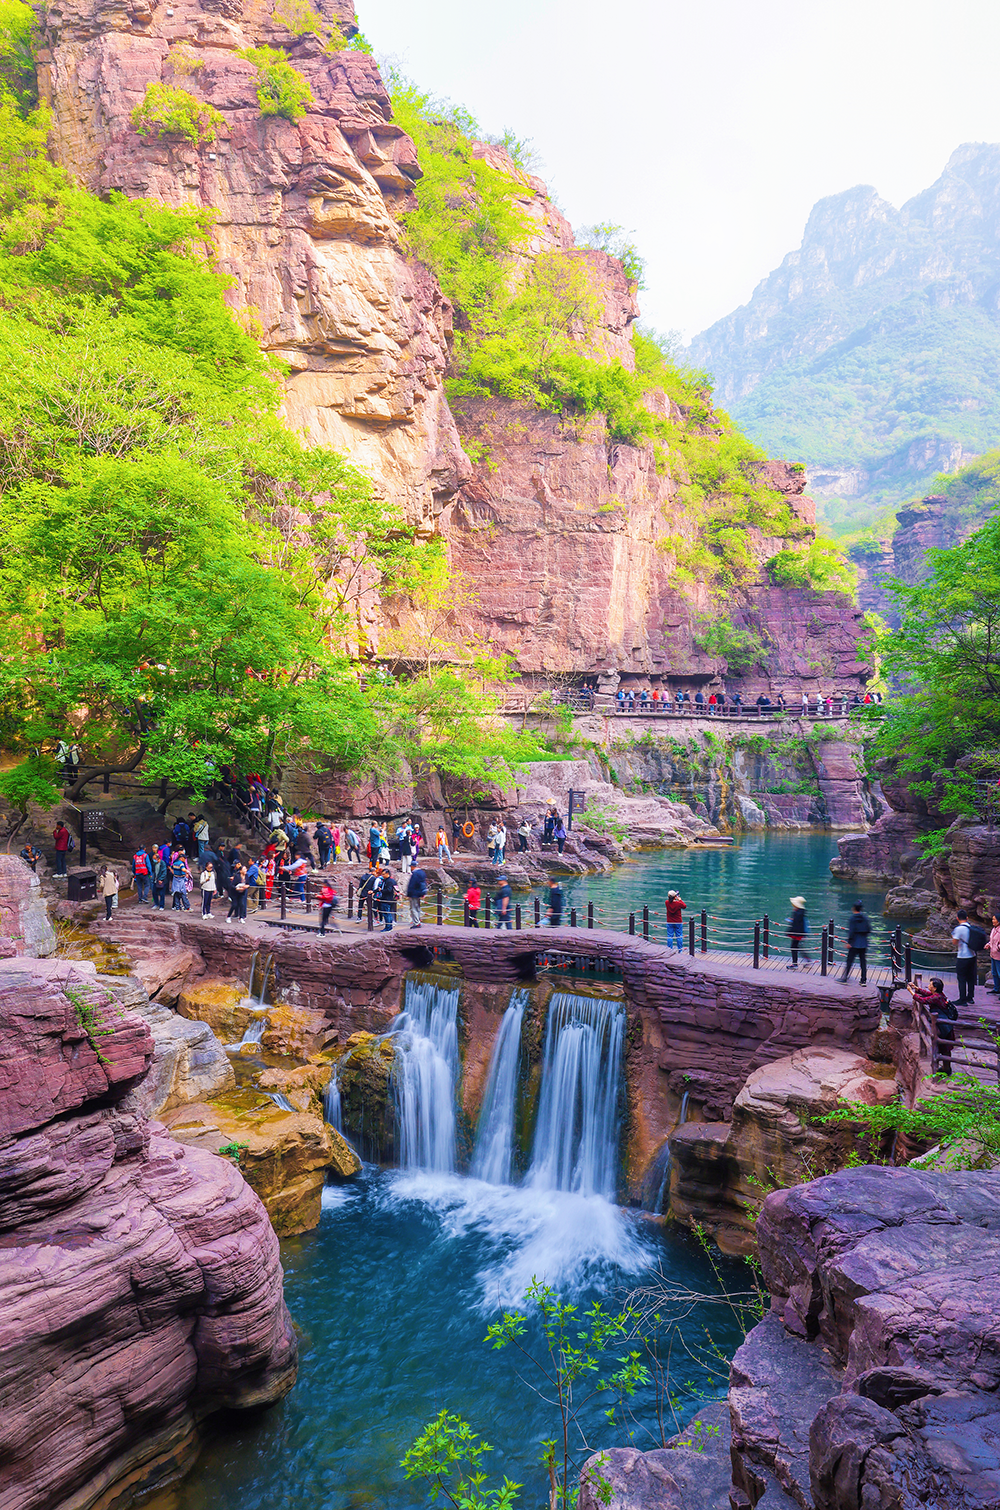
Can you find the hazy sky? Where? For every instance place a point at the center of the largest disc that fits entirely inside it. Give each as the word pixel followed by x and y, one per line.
pixel 710 129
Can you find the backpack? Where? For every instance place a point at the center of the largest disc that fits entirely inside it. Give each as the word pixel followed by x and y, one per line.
pixel 140 866
pixel 977 938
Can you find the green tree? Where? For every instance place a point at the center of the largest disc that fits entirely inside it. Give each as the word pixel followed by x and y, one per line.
pixel 281 89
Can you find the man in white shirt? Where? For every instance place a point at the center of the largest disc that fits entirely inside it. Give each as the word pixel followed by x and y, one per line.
pixel 965 965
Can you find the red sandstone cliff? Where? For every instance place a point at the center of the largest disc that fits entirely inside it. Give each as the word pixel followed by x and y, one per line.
pixel 559 530
pixel 140 1287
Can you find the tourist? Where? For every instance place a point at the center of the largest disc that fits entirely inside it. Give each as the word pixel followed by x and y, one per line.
pixel 737 702
pixel 328 901
pixel 255 883
pixel 780 702
pixel 159 876
pixel 241 888
pixel 180 833
pixel 416 890
pixel 944 1014
pixel 456 832
pixel 555 907
pixel 384 855
pixel 675 906
pixel 711 705
pixel 180 880
pixel 335 842
pixel 324 843
pixel 235 896
pixel 140 874
pixel 472 899
pixel 208 885
pixel 353 846
pixel 386 900
pixel 858 928
pixel 805 705
pixel 201 837
pixel 679 699
pixel 63 757
pixel 61 840
pixel 441 840
pixel 504 904
pixel 502 837
pixel 405 851
pixel 548 828
pixel 107 885
pixel 643 700
pixel 491 842
pixel 620 699
pixel 994 948
pixel 720 702
pixel 523 835
pixel 559 834
pixel 965 964
pixel 699 701
pixel 828 705
pixel 797 926
pixel 31 856
pixel 297 872
pixel 631 702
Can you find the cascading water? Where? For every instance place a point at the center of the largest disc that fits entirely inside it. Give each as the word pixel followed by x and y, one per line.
pixel 332 1111
pixel 281 1100
pixel 425 1072
pixel 684 1109
pixel 491 1159
pixel 576 1137
pixel 254 1030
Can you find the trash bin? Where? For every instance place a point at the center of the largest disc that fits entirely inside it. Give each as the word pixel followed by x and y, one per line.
pixel 81 886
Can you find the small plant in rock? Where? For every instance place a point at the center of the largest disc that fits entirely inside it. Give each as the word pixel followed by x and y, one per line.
pixel 90 1022
pixel 281 89
pixel 233 1150
pixel 168 111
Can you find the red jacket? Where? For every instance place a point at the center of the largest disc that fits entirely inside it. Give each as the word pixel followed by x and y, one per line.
pixel 473 897
pixel 61 836
pixel 674 910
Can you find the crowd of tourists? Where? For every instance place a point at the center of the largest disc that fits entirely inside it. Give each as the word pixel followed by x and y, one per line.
pixel 717 703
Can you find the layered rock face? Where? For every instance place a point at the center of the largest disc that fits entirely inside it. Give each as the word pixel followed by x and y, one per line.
pixel 140 1287
pixel 305 216
pixel 25 927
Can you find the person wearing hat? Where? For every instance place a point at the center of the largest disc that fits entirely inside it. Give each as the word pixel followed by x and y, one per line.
pixel 504 908
pixel 797 926
pixel 675 920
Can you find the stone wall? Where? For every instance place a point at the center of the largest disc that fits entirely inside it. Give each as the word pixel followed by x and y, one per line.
pixel 140 1287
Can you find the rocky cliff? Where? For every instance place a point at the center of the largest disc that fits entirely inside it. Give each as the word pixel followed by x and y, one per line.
pixel 567 537
pixel 140 1282
pixel 873 351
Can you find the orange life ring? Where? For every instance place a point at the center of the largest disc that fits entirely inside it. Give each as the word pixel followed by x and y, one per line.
pixel 468 829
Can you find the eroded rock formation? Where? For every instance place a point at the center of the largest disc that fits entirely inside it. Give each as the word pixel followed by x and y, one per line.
pixel 140 1288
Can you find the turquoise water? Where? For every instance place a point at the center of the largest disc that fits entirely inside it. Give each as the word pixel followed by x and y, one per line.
pixel 391 1296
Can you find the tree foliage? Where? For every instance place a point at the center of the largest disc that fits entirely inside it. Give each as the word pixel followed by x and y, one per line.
pixel 281 89
pixel 169 111
pixel 822 566
pixel 177 572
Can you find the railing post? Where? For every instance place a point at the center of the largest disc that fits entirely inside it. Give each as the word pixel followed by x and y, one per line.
pixel 465 916
pixel 283 895
pixel 308 881
pixel 756 946
pixel 691 937
pixel 107 781
pixel 897 950
pixel 487 910
pixel 440 907
pixel 517 917
pixel 767 936
pixel 538 913
pixel 823 953
pixel 572 917
pixel 350 899
pixel 590 914
pixel 371 914
pixel 704 931
pixel 908 962
pixel 645 922
pixel 631 922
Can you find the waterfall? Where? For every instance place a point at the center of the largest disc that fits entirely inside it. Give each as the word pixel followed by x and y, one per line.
pixel 331 1102
pixel 254 1030
pixel 576 1139
pixel 656 1185
pixel 281 1100
pixel 491 1160
pixel 265 972
pixel 425 1071
pixel 684 1109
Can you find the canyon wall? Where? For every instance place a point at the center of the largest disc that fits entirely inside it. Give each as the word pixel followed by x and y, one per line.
pixel 558 530
pixel 140 1282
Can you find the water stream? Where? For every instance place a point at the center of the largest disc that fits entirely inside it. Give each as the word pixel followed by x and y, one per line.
pixel 492 1158
pixel 425 1074
pixel 576 1138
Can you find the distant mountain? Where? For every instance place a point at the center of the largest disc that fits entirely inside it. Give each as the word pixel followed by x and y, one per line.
pixel 873 352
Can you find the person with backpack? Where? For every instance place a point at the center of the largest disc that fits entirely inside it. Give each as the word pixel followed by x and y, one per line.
pixel 970 940
pixel 353 846
pixel 797 926
pixel 944 1014
pixel 328 901
pixel 386 900
pixel 108 886
pixel 858 928
pixel 675 906
pixel 994 947
pixel 159 876
pixel 61 839
pixel 208 885
pixel 201 837
pixel 180 877
pixel 140 874
pixel 559 834
pixel 405 851
pixel 323 844
pixel 416 890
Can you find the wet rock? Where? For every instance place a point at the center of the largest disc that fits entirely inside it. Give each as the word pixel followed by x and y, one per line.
pixel 692 1473
pixel 140 1287
pixel 296 1031
pixel 283 1155
pixel 189 1062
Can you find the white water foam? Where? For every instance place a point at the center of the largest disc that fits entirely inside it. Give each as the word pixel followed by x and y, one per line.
pixel 557 1237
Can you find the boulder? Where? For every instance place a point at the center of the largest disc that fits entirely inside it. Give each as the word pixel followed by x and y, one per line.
pixel 189 1062
pixel 24 920
pixel 220 1004
pixel 283 1154
pixel 691 1473
pixel 140 1287
pixel 296 1031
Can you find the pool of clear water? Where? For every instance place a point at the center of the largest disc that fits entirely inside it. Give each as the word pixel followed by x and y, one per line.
pixel 391 1296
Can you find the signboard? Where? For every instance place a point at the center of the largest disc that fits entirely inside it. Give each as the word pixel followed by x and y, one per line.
pixel 93 822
